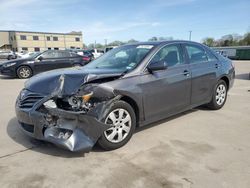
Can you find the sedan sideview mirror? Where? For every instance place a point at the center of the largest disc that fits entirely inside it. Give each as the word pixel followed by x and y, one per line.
pixel 156 66
pixel 40 58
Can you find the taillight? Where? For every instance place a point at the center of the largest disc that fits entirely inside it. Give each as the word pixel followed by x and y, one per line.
pixel 85 58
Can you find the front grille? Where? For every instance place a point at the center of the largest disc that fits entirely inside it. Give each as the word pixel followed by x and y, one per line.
pixel 27 127
pixel 28 99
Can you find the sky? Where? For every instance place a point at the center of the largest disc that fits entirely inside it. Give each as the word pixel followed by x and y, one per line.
pixel 128 19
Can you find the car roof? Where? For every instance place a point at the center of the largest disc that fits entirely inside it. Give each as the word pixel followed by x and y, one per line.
pixel 156 43
pixel 57 50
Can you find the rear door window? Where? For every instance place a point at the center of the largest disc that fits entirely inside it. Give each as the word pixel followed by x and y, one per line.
pixel 196 54
pixel 49 54
pixel 211 56
pixel 62 54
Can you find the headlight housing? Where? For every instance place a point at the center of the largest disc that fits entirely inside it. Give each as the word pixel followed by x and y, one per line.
pixel 80 102
pixel 50 104
pixel 9 64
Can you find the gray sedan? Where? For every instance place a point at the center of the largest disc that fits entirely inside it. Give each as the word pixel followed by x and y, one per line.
pixel 128 87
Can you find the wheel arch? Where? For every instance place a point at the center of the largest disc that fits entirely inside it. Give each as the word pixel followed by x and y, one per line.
pixel 134 105
pixel 226 79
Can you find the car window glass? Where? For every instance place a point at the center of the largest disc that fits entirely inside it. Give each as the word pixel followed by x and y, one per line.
pixel 171 54
pixel 62 54
pixel 125 58
pixel 196 54
pixel 210 56
pixel 121 54
pixel 49 54
pixel 73 54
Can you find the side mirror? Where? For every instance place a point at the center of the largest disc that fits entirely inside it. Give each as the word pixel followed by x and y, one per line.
pixel 156 66
pixel 40 58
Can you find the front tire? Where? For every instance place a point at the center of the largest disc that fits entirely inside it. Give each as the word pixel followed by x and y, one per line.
pixel 24 72
pixel 219 96
pixel 122 120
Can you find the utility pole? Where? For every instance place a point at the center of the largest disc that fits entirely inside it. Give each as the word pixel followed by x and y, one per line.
pixel 106 42
pixel 190 35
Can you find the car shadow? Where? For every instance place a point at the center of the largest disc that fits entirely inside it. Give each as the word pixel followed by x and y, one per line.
pixel 15 133
pixel 2 77
pixel 148 126
pixel 245 76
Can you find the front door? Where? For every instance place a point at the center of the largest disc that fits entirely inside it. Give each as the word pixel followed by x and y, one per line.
pixel 50 60
pixel 167 91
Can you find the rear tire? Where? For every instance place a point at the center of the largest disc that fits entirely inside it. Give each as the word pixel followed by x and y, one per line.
pixel 122 120
pixel 219 96
pixel 24 72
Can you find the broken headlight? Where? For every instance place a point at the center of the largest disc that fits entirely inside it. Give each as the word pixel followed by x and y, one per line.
pixel 50 104
pixel 80 102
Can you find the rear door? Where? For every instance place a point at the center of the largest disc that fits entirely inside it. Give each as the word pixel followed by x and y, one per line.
pixel 167 91
pixel 75 59
pixel 204 67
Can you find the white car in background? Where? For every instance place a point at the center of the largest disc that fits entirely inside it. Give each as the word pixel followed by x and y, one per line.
pixel 96 52
pixel 110 48
pixel 25 54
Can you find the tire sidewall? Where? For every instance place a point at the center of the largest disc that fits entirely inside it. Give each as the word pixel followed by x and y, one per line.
pixel 103 142
pixel 19 68
pixel 213 102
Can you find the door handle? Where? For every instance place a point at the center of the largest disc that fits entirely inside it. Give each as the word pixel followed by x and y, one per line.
pixel 186 73
pixel 216 65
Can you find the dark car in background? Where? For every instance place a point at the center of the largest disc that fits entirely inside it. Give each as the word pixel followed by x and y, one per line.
pixel 131 85
pixel 89 56
pixel 45 61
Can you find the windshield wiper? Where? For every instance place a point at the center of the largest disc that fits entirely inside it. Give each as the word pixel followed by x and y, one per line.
pixel 124 72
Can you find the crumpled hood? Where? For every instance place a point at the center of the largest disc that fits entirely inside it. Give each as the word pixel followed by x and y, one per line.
pixel 66 81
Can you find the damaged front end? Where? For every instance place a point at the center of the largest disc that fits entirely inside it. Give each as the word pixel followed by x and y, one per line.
pixel 71 115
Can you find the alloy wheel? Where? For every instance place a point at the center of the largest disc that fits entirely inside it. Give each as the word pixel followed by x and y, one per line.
pixel 220 94
pixel 120 121
pixel 24 72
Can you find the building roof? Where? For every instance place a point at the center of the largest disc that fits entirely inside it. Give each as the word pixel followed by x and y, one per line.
pixel 70 33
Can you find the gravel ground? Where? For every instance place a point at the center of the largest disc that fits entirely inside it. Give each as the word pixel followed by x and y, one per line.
pixel 199 149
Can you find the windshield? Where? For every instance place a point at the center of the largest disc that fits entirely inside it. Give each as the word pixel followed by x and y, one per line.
pixel 123 59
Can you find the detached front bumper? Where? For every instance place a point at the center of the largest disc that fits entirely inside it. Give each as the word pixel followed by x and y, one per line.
pixel 70 130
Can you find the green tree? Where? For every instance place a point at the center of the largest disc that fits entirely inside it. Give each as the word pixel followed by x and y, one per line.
pixel 246 39
pixel 209 41
pixel 132 41
pixel 153 39
pixel 84 46
pixel 98 45
pixel 116 43
pixel 91 46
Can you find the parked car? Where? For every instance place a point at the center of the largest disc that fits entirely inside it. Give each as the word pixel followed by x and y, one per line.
pixel 48 60
pixel 7 55
pixel 85 53
pixel 132 85
pixel 96 53
pixel 26 54
pixel 109 48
